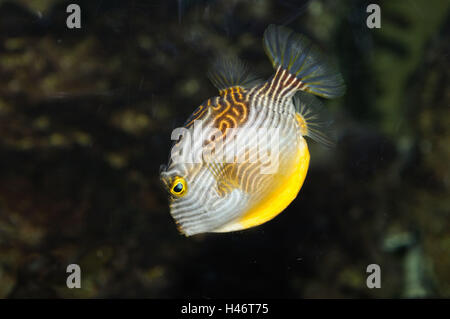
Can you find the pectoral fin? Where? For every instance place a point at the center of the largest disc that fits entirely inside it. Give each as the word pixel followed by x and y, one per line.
pixel 225 179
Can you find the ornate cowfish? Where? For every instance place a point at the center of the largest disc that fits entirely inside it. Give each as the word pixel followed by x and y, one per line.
pixel 216 195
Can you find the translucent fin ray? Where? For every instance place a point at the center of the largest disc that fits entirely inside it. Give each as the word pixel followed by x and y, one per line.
pixel 222 174
pixel 226 72
pixel 314 120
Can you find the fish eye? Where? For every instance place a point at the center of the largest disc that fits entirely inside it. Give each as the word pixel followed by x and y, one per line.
pixel 178 187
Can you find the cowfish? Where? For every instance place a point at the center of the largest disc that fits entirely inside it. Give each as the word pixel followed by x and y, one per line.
pixel 216 195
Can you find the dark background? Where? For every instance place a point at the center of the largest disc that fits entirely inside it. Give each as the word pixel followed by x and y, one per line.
pixel 85 122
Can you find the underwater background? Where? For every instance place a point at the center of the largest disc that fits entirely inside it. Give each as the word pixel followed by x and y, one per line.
pixel 85 122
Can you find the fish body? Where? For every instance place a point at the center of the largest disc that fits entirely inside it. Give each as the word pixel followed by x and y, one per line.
pixel 254 157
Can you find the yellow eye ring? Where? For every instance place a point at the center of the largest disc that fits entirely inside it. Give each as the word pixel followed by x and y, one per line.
pixel 179 187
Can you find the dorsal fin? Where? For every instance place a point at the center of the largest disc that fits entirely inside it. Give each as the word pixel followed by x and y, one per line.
pixel 229 72
pixel 300 65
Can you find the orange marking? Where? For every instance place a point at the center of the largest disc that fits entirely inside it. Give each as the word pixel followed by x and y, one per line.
pixel 226 109
pixel 196 117
pixel 217 107
pixel 223 123
pixel 232 119
pixel 198 110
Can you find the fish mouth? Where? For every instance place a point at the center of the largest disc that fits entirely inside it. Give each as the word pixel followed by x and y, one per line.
pixel 195 217
pixel 162 169
pixel 163 178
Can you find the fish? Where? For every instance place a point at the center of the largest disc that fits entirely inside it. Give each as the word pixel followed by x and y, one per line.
pixel 241 158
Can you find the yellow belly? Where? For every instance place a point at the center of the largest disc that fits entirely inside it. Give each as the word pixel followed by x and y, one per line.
pixel 286 189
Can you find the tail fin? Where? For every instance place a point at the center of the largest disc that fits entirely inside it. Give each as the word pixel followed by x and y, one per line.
pixel 313 119
pixel 294 53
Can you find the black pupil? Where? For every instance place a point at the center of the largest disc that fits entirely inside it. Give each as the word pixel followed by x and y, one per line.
pixel 178 188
